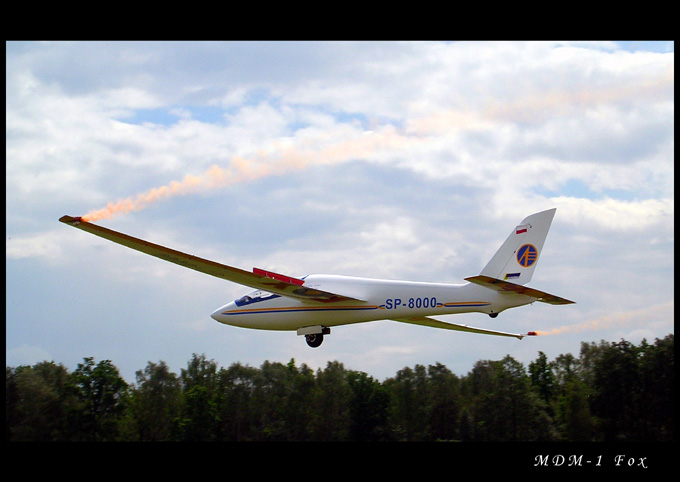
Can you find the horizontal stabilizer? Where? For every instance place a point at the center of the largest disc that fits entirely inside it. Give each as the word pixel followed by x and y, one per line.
pixel 426 321
pixel 500 285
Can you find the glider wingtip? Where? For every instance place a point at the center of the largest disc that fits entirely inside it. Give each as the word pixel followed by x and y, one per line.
pixel 72 220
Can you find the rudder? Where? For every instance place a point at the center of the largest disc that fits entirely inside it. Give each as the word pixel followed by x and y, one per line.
pixel 516 259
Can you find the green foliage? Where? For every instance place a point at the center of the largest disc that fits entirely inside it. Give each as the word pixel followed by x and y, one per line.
pixel 367 408
pixel 612 391
pixel 102 393
pixel 154 405
pixel 41 403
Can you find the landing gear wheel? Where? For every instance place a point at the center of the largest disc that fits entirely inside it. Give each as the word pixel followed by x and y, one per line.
pixel 493 315
pixel 314 340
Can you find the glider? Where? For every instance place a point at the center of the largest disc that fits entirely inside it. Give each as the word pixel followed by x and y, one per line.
pixel 313 304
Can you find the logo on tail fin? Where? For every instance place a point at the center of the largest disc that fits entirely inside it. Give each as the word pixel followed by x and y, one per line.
pixel 527 255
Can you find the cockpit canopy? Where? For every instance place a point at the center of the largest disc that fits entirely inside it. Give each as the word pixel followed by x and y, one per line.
pixel 255 297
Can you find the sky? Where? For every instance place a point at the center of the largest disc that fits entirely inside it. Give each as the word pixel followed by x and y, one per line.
pixel 398 160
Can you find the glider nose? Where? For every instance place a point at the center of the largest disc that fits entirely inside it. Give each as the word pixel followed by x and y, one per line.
pixel 219 314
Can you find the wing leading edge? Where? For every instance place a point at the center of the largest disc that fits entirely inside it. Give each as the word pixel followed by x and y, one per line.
pixel 258 279
pixel 426 321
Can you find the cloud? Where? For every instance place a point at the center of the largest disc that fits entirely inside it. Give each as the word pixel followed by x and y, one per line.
pixel 32 246
pixel 545 119
pixel 616 215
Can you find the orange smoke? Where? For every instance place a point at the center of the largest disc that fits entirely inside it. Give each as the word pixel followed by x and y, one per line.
pixel 641 317
pixel 286 159
pixel 215 177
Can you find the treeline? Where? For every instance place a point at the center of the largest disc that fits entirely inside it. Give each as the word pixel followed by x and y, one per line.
pixel 611 392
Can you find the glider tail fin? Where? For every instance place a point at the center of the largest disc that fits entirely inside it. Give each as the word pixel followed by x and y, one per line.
pixel 516 259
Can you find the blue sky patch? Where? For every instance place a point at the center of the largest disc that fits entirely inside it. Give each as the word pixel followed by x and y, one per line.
pixel 578 189
pixel 167 116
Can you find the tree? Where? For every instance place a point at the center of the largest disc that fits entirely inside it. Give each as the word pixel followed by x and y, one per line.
pixel 612 391
pixel 445 411
pixel 617 390
pixel 542 379
pixel 103 393
pixel 657 375
pixel 199 414
pixel 504 407
pixel 577 422
pixel 410 407
pixel 299 401
pixel 155 403
pixel 330 418
pixel 199 372
pixel 40 401
pixel 270 401
pixel 367 407
pixel 571 400
pixel 564 368
pixel 237 415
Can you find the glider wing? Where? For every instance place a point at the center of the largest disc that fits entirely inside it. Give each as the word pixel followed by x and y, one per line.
pixel 259 279
pixel 426 321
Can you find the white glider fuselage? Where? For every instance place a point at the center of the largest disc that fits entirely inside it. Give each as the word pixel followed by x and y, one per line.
pixel 374 299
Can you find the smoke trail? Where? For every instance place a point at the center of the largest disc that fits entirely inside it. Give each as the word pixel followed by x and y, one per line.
pixel 629 318
pixel 287 159
pixel 213 178
pixel 239 170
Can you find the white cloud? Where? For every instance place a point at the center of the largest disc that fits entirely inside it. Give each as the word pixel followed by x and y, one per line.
pixel 614 215
pixel 32 246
